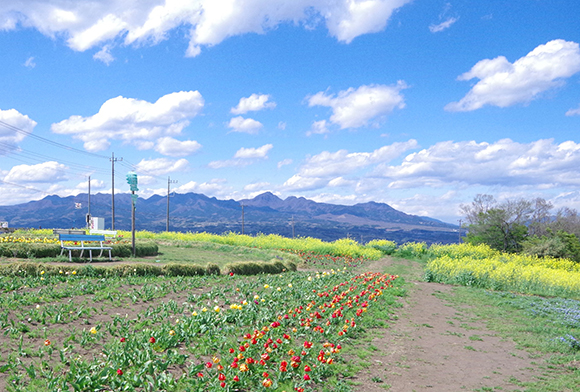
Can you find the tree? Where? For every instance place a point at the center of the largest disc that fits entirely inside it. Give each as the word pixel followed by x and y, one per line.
pixel 501 226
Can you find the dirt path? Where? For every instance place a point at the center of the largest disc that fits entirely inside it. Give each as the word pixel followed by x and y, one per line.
pixel 434 346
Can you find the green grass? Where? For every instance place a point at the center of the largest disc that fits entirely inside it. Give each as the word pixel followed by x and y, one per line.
pixel 508 315
pixel 200 253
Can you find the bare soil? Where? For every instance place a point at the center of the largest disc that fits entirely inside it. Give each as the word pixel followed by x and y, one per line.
pixel 437 346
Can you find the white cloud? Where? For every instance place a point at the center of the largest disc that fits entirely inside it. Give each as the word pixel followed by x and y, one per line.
pixel 504 84
pixel 90 24
pixel 243 157
pixel 437 28
pixel 341 182
pixel 47 172
pixel 443 206
pixel 214 188
pixel 176 148
pixel 161 166
pixel 253 103
pixel 282 125
pixel 257 187
pixel 504 163
pixel 249 153
pixel 285 162
pixel 245 125
pixel 104 55
pixel 133 121
pixel 327 168
pixel 333 164
pixel 29 63
pixel 14 129
pixel 318 128
pixel 573 112
pixel 354 108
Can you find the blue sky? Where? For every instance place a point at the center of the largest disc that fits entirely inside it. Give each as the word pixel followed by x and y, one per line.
pixel 418 104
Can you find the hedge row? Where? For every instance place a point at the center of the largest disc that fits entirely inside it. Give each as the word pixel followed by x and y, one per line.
pixel 39 250
pixel 171 269
pixel 256 268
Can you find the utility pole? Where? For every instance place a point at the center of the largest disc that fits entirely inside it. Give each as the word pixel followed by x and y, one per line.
pixel 113 160
pixel 242 219
pixel 292 226
pixel 132 181
pixel 169 182
pixel 89 213
pixel 459 231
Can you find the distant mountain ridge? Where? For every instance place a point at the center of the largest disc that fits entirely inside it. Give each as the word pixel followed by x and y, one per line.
pixel 265 213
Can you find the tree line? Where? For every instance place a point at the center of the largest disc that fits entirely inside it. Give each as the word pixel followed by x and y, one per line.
pixel 523 226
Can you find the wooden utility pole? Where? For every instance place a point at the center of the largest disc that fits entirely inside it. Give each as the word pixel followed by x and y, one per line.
pixel 113 160
pixel 169 182
pixel 89 213
pixel 459 230
pixel 242 219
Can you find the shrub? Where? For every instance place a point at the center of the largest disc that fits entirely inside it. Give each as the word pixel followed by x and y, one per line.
pixel 254 268
pixel 213 269
pixel 385 246
pixel 44 250
pixel 174 269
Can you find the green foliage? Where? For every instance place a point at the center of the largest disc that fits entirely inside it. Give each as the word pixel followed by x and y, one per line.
pixel 385 246
pixel 562 245
pixel 412 250
pixel 213 269
pixel 342 247
pixel 43 250
pixel 256 268
pixel 174 269
pixel 495 229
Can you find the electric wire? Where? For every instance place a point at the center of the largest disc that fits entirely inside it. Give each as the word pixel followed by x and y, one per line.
pixel 45 140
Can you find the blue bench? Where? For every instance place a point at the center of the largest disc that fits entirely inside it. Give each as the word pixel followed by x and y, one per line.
pixel 83 239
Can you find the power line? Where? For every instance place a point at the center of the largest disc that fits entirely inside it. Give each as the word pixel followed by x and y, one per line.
pixel 36 157
pixel 45 140
pixel 25 187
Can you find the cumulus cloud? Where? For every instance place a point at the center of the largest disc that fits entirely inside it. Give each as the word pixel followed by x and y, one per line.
pixel 13 129
pixel 176 148
pixel 328 167
pixel 161 166
pixel 541 163
pixel 285 162
pixel 573 112
pixel 257 187
pixel 249 153
pixel 91 24
pixel 504 84
pixel 354 108
pixel 133 121
pixel 214 188
pixel 437 28
pixel 253 103
pixel 245 125
pixel 104 55
pixel 318 128
pixel 47 172
pixel 243 157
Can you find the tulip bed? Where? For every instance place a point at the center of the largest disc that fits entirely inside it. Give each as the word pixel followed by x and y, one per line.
pixel 284 332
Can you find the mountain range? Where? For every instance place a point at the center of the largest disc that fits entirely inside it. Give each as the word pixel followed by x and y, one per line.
pixel 265 213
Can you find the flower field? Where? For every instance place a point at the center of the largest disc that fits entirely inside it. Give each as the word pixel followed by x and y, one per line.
pixel 284 332
pixel 481 266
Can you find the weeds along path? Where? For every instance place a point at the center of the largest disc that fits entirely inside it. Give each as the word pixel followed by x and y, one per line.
pixel 437 346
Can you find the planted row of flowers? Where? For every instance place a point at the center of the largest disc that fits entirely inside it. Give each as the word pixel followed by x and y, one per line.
pixel 277 332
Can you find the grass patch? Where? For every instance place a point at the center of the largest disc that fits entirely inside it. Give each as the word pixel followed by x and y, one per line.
pixel 549 333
